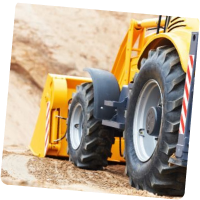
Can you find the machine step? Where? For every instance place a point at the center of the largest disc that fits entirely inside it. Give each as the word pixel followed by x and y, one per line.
pixel 113 124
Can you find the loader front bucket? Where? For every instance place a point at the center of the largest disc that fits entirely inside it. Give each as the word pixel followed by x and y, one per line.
pixel 51 124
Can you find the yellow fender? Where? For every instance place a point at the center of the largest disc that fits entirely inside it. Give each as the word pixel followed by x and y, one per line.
pixel 180 38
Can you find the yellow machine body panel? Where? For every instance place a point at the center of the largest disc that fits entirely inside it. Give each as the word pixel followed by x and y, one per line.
pixel 178 34
pixel 58 92
pixel 135 46
pixel 137 43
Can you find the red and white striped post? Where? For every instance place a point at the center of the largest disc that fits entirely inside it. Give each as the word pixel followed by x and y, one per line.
pixel 186 95
pixel 47 128
pixel 182 146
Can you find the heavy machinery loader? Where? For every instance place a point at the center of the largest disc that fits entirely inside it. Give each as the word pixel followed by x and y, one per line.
pixel 138 113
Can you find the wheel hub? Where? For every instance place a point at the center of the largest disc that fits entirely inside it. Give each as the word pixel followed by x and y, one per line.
pixel 147 120
pixel 153 120
pixel 76 126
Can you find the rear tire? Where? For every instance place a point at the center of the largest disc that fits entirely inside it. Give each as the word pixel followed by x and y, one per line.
pixel 89 142
pixel 153 173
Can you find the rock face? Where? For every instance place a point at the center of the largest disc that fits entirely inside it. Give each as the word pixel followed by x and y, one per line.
pixel 56 40
pixel 66 40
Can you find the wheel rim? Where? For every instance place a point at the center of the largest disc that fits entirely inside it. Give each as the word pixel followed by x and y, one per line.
pixel 76 126
pixel 145 144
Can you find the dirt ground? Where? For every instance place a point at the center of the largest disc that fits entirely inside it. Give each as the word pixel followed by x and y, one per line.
pixel 20 167
pixel 64 41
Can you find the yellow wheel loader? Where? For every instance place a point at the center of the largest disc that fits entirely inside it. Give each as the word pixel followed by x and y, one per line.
pixel 139 113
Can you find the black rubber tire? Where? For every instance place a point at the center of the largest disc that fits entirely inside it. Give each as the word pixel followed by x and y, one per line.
pixel 97 140
pixel 155 175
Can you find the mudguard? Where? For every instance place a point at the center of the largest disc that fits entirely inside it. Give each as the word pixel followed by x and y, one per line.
pixel 105 88
pixel 179 38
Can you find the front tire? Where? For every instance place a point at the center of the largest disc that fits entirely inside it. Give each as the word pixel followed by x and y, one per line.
pixel 147 160
pixel 89 142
